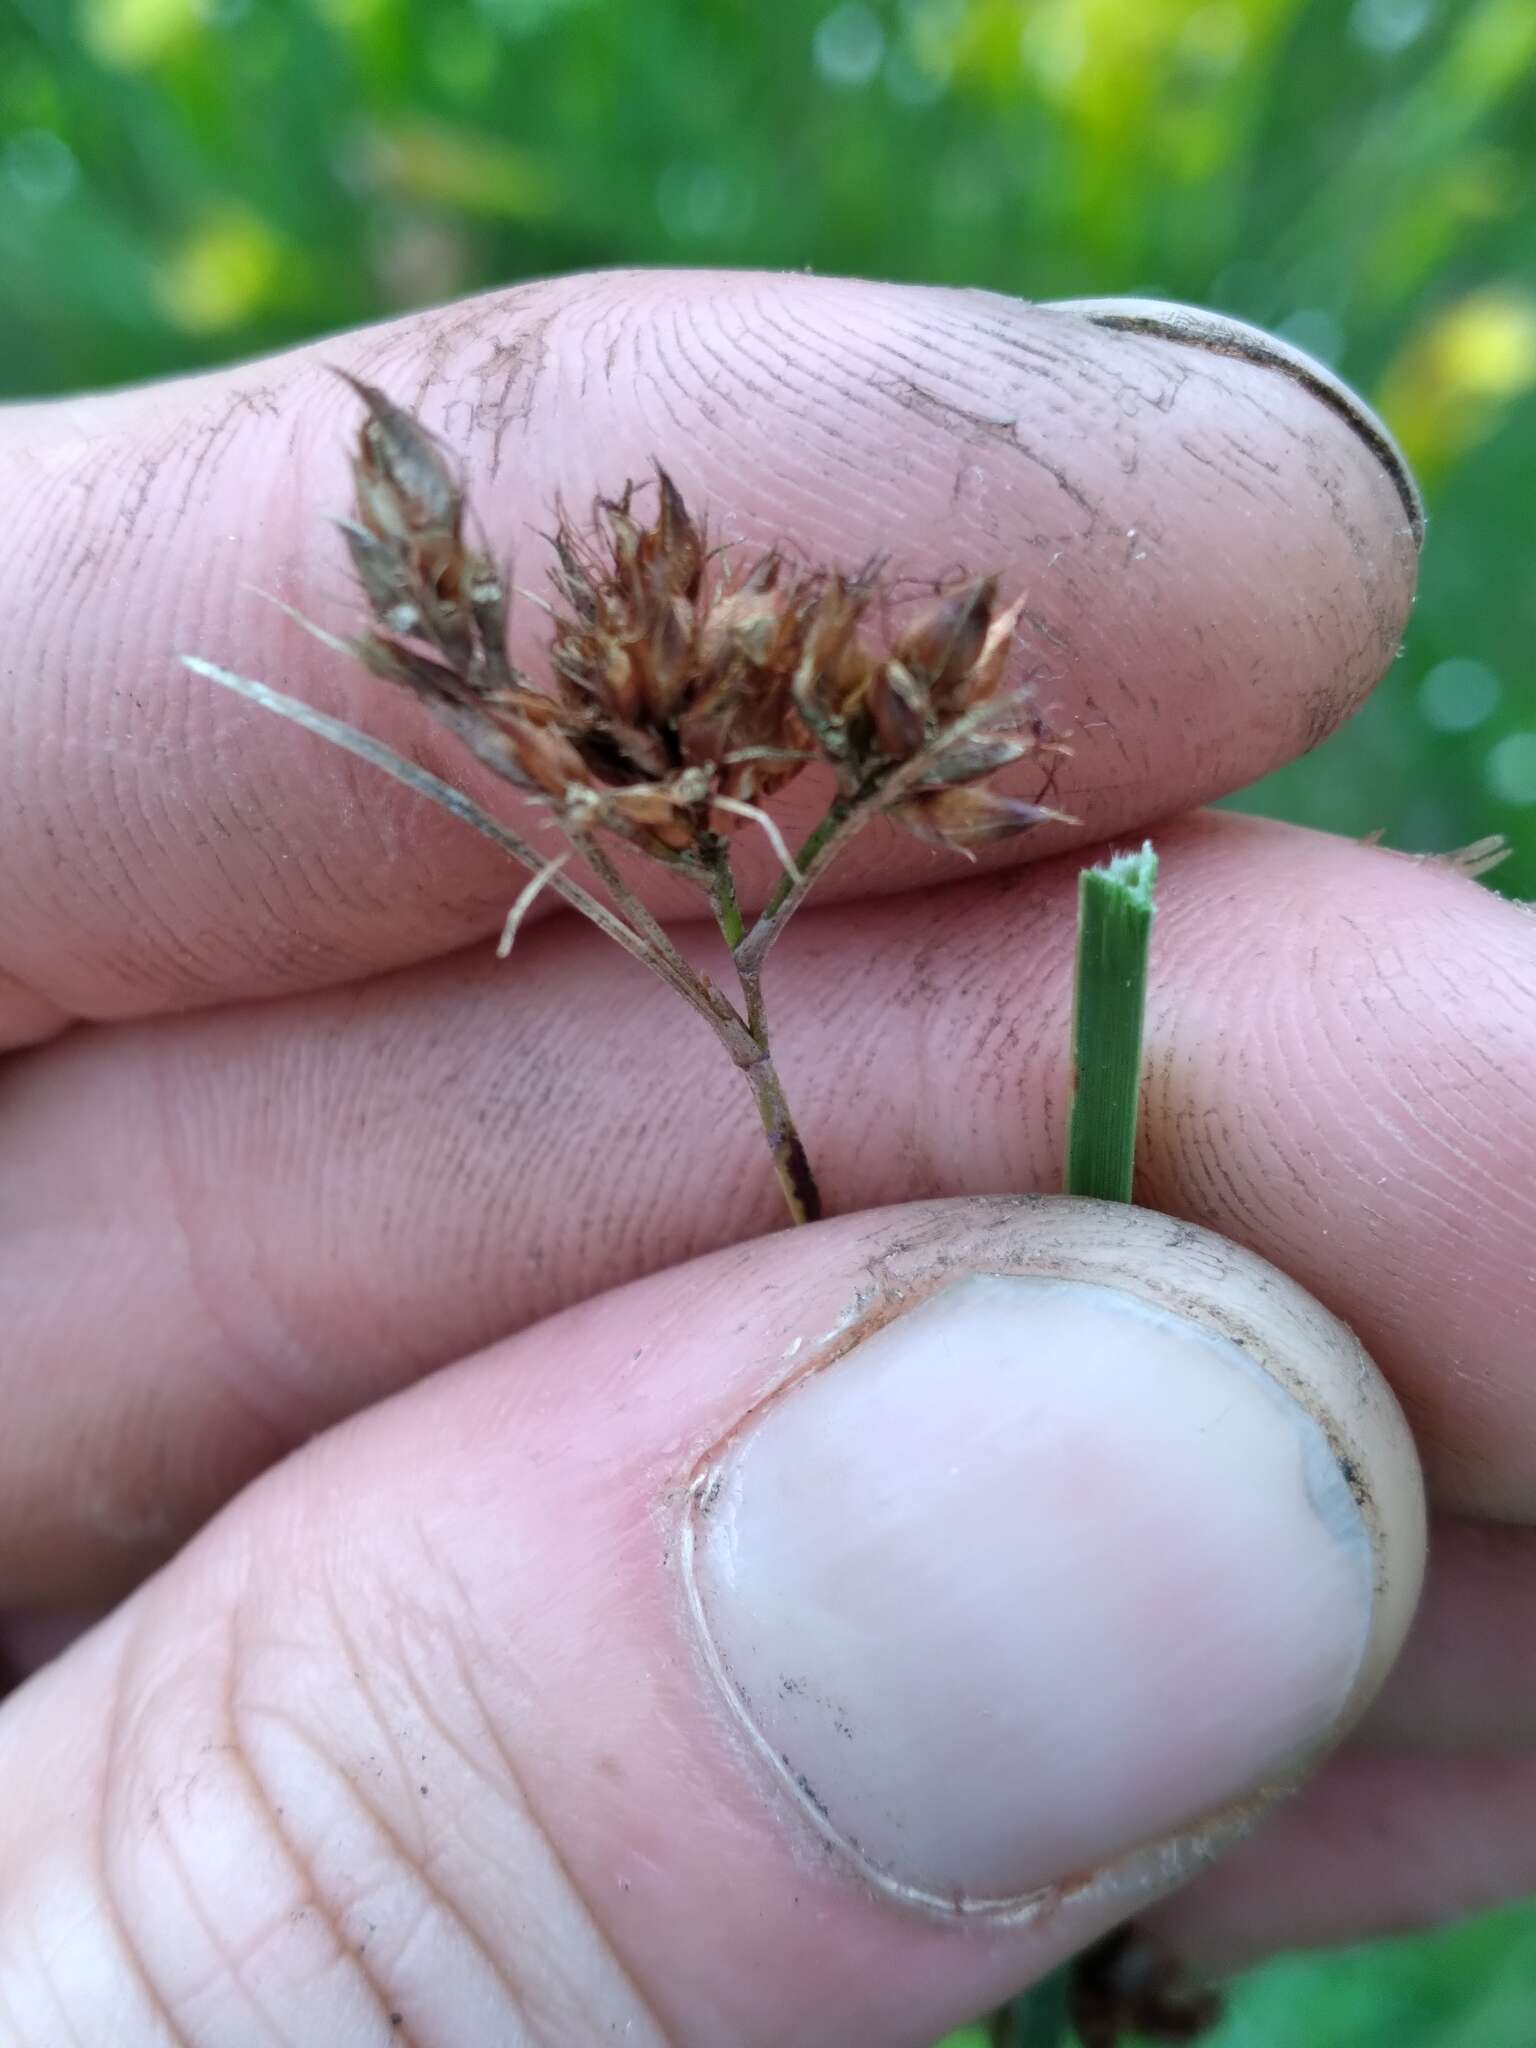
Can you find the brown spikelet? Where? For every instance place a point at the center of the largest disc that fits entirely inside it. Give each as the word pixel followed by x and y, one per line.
pixel 963 819
pixel 942 650
pixel 678 687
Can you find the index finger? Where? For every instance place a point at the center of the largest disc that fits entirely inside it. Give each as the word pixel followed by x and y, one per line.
pixel 1216 547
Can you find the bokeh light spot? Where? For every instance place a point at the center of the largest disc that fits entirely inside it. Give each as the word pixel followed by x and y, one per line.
pixel 1459 695
pixel 1510 770
pixel 40 167
pixel 1387 26
pixel 849 45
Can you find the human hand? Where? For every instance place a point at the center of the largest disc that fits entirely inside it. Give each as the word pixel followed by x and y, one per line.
pixel 417 1739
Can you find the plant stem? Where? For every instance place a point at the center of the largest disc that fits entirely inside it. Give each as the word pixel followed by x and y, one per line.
pixel 791 1162
pixel 846 817
pixel 1114 907
pixel 722 889
pixel 701 991
pixel 808 860
pixel 426 784
pixel 843 821
pixel 802 1197
pixel 662 958
pixel 1037 2018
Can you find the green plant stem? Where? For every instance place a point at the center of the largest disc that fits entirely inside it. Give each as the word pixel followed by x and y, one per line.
pixel 1037 2018
pixel 722 891
pixel 807 859
pixel 847 815
pixel 1114 929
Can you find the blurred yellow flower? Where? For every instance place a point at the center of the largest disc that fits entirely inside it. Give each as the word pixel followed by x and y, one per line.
pixel 1161 85
pixel 1453 380
pixel 467 173
pixel 227 268
pixel 1492 53
pixel 133 34
pixel 1486 345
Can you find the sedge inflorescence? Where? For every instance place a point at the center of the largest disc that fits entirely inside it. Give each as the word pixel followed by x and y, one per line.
pixel 686 686
pixel 684 689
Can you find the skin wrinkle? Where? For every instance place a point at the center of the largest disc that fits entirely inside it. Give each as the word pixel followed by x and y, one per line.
pixel 945 319
pixel 705 406
pixel 858 365
pixel 238 1758
pixel 655 382
pixel 241 1367
pixel 1404 1127
pixel 1422 1401
pixel 525 368
pixel 1427 1107
pixel 644 2002
pixel 873 388
pixel 408 1857
pixel 43 1975
pixel 108 816
pixel 121 801
pixel 108 1795
pixel 1315 715
pixel 355 1953
pixel 442 1574
pixel 256 401
pixel 228 1968
pixel 800 392
pixel 77 816
pixel 980 428
pixel 859 359
pixel 773 390
pixel 1209 1142
pixel 1324 476
pixel 728 380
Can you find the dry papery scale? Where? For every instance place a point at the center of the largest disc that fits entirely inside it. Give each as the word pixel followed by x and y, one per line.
pixel 687 684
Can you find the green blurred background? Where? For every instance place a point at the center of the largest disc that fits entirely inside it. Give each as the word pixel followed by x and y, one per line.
pixel 185 181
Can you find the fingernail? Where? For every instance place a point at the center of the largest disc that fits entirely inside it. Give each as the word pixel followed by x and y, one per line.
pixel 1038 1575
pixel 1223 335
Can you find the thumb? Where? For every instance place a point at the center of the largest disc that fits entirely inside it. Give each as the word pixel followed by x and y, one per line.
pixel 814 1643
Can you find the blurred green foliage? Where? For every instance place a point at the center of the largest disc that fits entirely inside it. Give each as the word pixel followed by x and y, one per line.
pixel 184 181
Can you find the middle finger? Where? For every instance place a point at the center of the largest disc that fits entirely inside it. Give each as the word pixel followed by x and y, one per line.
pixel 275 1215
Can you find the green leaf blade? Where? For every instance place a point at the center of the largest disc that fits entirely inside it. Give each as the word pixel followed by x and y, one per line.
pixel 1115 907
